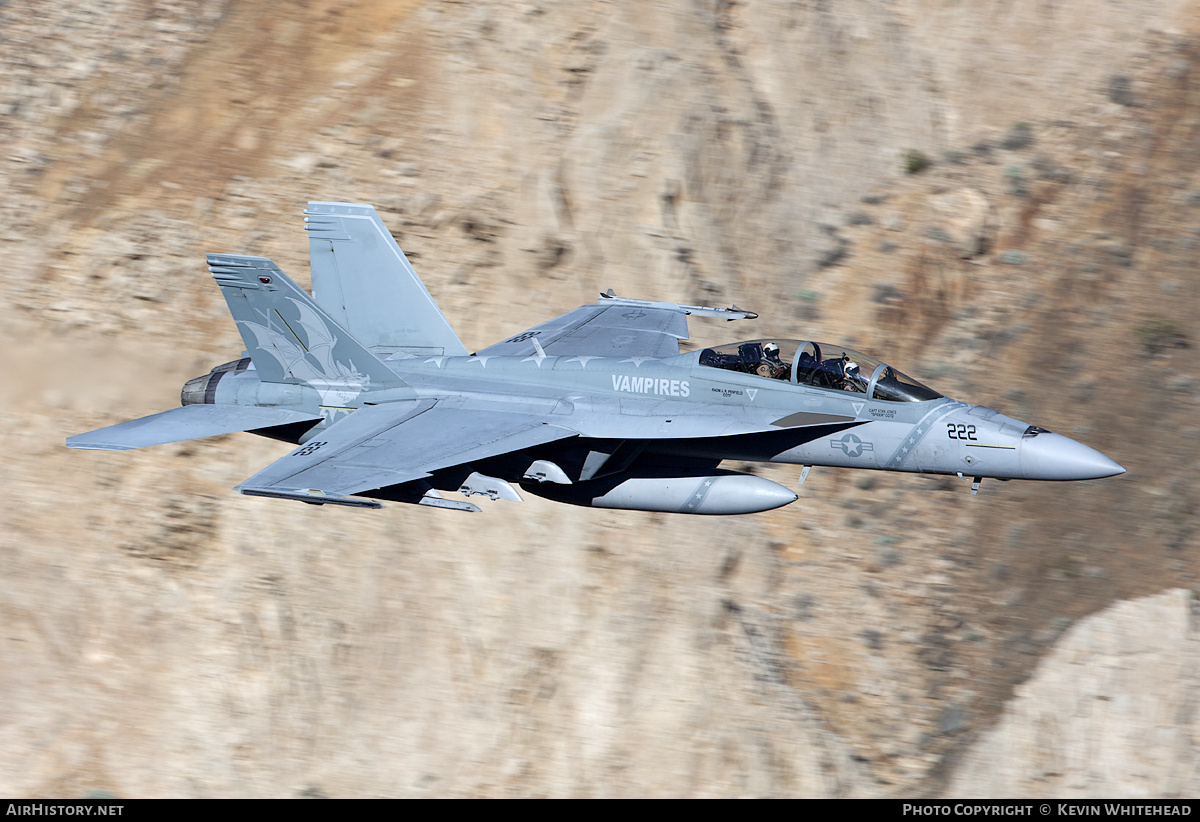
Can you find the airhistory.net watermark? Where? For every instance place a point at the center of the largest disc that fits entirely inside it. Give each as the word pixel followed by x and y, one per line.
pixel 63 809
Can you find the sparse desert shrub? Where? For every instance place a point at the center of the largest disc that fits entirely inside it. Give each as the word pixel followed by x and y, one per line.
pixel 1018 137
pixel 1016 181
pixel 1120 90
pixel 1157 333
pixel 915 161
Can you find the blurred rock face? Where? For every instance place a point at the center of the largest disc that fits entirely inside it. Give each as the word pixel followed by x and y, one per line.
pixel 999 203
pixel 1108 710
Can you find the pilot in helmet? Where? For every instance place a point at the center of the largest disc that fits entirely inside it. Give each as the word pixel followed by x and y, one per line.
pixel 853 376
pixel 771 365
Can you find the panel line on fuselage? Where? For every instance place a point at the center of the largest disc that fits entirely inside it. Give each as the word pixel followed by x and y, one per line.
pixel 920 431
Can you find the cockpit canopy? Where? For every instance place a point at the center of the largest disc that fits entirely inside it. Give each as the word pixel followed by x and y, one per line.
pixel 822 365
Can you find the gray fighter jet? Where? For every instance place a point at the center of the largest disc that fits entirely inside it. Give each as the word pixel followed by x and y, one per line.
pixel 596 407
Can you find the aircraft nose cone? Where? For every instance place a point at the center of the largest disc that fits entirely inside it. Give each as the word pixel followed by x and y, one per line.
pixel 1054 457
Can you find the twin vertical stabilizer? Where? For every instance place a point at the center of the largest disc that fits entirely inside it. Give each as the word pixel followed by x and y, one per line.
pixel 362 278
pixel 290 338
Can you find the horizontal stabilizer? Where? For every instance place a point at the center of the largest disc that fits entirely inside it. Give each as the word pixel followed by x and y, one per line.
pixel 186 423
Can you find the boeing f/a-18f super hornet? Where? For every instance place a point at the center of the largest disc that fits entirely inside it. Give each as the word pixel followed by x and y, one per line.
pixel 596 407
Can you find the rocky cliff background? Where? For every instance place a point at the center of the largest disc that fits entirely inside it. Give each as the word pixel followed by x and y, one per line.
pixel 1001 198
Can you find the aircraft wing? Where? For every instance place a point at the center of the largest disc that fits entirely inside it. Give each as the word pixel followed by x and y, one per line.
pixel 613 327
pixel 394 443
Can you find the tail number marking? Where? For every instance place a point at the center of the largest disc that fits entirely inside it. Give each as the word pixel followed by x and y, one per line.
pixel 960 431
pixel 311 448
